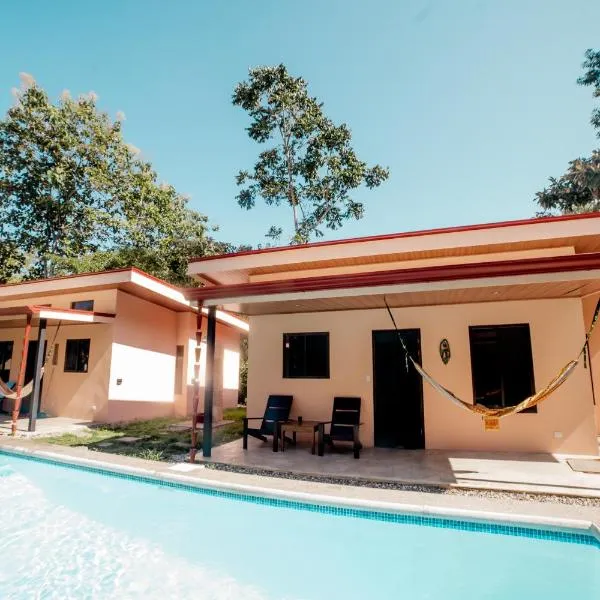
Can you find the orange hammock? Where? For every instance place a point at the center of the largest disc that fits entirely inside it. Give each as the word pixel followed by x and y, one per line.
pixel 8 392
pixel 491 416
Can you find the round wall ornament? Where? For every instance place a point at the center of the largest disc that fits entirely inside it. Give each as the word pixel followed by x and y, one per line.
pixel 445 351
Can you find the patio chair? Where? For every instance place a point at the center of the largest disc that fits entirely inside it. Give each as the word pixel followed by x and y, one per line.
pixel 276 411
pixel 344 425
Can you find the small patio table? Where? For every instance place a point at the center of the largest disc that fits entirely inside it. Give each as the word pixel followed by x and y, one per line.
pixel 295 427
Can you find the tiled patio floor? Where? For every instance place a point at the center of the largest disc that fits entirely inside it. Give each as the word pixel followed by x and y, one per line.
pixel 497 471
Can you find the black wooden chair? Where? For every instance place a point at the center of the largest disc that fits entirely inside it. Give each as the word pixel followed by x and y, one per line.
pixel 276 411
pixel 344 425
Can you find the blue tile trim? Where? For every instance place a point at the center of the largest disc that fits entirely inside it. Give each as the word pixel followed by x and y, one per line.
pixel 571 537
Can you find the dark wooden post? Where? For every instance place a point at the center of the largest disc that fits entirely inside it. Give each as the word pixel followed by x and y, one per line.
pixel 209 385
pixel 21 377
pixel 37 375
pixel 196 396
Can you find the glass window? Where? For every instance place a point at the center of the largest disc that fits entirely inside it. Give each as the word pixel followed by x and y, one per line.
pixel 77 354
pixel 502 365
pixel 306 355
pixel 83 305
pixel 6 350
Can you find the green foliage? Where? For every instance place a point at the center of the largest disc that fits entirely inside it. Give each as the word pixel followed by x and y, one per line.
pixel 150 454
pixel 157 440
pixel 75 197
pixel 591 77
pixel 309 163
pixel 578 190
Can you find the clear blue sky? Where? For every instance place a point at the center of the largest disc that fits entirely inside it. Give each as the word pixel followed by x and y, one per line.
pixel 472 104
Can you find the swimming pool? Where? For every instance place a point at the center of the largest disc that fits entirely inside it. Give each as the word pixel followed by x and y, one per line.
pixel 75 533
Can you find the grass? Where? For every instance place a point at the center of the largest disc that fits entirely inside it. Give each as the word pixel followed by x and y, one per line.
pixel 156 441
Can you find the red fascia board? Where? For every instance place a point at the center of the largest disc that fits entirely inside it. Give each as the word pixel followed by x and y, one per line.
pixel 406 234
pixel 92 274
pixel 17 310
pixel 506 268
pixel 36 309
pixel 64 277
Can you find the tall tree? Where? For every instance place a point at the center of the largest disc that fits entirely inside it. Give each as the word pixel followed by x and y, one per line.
pixel 74 195
pixel 578 190
pixel 309 163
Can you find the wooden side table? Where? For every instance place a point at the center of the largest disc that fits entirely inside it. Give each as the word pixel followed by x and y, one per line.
pixel 295 427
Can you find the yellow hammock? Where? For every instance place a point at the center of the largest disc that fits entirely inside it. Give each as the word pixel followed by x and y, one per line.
pixel 491 416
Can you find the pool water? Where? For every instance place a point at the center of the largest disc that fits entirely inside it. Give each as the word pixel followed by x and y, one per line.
pixel 67 533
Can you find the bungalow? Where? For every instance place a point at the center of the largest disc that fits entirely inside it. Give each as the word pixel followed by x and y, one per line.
pixel 492 312
pixel 119 345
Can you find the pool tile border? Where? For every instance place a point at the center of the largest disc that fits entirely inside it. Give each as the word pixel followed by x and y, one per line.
pixel 585 537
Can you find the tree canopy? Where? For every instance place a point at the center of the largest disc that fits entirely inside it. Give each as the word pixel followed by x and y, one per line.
pixel 309 163
pixel 578 190
pixel 75 197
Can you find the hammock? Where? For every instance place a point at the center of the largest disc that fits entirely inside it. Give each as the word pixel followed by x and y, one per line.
pixel 491 416
pixel 7 392
pixel 10 393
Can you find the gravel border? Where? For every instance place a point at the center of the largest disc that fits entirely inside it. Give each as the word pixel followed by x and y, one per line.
pixel 409 487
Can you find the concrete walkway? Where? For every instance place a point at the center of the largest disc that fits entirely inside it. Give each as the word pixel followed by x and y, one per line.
pixel 536 473
pixel 44 427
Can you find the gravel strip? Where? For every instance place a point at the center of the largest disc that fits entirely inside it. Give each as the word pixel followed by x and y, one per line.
pixel 408 487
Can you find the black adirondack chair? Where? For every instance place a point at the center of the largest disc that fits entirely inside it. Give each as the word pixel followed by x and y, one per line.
pixel 344 425
pixel 276 411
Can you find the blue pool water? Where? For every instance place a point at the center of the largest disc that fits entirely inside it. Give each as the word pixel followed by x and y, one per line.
pixel 67 533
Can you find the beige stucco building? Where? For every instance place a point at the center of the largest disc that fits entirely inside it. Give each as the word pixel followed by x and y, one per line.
pixel 120 346
pixel 512 301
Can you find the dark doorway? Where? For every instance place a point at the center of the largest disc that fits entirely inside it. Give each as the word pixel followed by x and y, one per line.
pixel 397 391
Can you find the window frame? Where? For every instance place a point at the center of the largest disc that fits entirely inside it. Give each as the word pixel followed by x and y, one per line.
pixel 77 368
pixel 285 355
pixel 523 352
pixel 75 307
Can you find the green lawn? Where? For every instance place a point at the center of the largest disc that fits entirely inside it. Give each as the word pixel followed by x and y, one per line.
pixel 157 441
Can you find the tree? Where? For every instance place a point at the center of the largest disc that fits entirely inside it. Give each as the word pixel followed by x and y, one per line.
pixel 578 190
pixel 74 196
pixel 309 165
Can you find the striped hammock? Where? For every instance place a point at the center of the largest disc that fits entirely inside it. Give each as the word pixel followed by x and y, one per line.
pixel 7 392
pixel 491 416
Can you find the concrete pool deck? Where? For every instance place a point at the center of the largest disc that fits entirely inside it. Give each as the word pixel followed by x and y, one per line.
pixel 450 502
pixel 502 471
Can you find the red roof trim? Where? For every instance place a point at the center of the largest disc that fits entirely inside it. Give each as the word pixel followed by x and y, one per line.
pixel 92 274
pixel 61 277
pixel 407 234
pixel 34 309
pixel 506 268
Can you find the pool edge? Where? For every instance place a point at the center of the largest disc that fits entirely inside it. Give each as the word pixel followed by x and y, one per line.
pixel 557 525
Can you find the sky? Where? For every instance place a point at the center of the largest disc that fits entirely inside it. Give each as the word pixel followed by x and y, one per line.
pixel 472 104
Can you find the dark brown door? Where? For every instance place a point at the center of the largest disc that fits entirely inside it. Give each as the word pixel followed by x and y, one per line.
pixel 397 390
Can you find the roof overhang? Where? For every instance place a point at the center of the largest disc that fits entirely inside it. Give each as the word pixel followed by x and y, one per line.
pixel 9 316
pixel 580 231
pixel 550 277
pixel 130 280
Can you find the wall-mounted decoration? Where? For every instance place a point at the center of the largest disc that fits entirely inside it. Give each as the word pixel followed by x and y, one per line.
pixel 445 351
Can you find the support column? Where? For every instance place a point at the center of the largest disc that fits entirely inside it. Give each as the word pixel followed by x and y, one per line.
pixel 196 396
pixel 37 375
pixel 209 385
pixel 21 377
